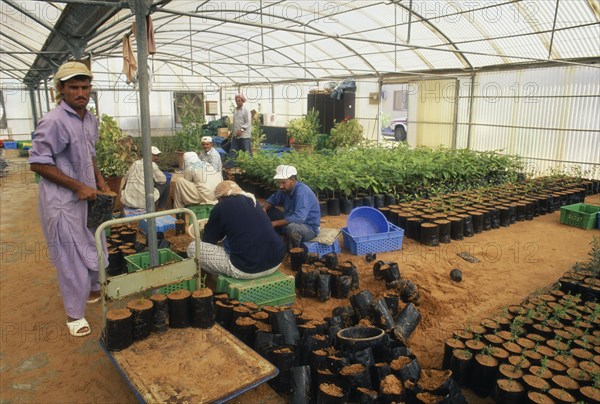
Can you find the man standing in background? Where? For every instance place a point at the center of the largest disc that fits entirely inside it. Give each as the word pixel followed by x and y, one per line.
pixel 242 127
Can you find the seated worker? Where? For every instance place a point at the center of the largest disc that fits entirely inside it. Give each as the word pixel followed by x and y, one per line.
pixel 134 195
pixel 198 183
pixel 250 248
pixel 301 216
pixel 209 154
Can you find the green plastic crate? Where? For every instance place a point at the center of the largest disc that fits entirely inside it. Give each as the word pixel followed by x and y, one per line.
pixel 580 215
pixel 271 290
pixel 135 262
pixel 201 211
pixel 190 285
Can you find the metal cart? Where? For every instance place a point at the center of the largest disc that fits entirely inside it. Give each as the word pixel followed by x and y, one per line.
pixel 181 365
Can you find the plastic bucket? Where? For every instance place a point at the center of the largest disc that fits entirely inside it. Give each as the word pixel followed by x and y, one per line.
pixel 358 338
pixel 365 221
pixel 201 224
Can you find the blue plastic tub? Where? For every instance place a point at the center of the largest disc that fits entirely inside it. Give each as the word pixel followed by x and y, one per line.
pixel 365 220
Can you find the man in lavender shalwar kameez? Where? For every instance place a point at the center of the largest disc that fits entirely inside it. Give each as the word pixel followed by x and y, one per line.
pixel 63 153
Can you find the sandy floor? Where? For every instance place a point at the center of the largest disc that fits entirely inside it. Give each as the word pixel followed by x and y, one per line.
pixel 40 362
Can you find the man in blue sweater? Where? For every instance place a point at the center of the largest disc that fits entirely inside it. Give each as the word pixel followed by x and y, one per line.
pixel 301 216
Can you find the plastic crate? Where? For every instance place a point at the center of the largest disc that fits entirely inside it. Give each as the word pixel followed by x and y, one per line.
pixel 322 249
pixel 10 145
pixel 127 211
pixel 190 285
pixel 135 262
pixel 380 242
pixel 271 290
pixel 163 223
pixel 580 215
pixel 201 211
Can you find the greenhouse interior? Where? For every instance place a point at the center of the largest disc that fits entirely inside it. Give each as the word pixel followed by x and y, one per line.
pixel 419 126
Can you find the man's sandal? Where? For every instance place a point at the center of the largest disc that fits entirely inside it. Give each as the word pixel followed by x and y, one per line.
pixel 94 299
pixel 79 328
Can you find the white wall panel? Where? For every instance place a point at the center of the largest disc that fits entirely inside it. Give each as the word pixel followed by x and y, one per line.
pixel 548 116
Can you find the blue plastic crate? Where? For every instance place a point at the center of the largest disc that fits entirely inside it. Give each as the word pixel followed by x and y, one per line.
pixel 10 145
pixel 322 249
pixel 127 211
pixel 163 223
pixel 380 242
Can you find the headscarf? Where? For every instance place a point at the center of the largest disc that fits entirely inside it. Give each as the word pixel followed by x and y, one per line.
pixel 229 188
pixel 241 96
pixel 190 158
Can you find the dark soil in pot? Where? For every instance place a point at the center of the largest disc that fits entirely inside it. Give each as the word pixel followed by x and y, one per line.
pixel 509 391
pixel 535 383
pixel 179 308
pixel 118 331
pixel 391 389
pixel 141 309
pixel 160 313
pixel 331 394
pixel 537 397
pixel 450 345
pixel 561 396
pixel 483 378
pixel 202 307
pixel 519 361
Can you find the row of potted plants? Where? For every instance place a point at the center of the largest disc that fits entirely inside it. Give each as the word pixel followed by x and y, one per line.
pixel 547 347
pixel 400 171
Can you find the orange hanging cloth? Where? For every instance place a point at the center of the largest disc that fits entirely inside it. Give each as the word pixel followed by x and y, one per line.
pixel 149 35
pixel 129 62
pixel 150 32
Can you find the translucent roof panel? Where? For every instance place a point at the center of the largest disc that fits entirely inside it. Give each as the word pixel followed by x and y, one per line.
pixel 230 43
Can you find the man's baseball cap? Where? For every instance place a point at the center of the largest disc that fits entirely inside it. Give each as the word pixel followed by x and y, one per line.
pixel 155 151
pixel 283 172
pixel 71 69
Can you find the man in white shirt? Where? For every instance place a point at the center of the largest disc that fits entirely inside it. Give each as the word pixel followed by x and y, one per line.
pixel 198 183
pixel 209 154
pixel 133 195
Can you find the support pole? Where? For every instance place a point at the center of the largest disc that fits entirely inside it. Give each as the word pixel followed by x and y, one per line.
pixel 33 107
pixel 141 9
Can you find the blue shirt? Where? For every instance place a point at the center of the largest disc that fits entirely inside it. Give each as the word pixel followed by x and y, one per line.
pixel 300 206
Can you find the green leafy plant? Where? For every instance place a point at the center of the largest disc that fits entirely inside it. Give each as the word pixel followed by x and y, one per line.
pixel 348 132
pixel 192 119
pixel 112 154
pixel 258 136
pixel 304 130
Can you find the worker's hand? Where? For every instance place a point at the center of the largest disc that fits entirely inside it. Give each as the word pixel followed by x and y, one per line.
pixel 238 133
pixel 102 186
pixel 85 193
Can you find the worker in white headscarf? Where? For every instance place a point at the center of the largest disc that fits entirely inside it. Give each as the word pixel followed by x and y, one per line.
pixel 198 183
pixel 209 154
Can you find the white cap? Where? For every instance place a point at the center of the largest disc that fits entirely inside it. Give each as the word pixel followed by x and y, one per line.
pixel 283 172
pixel 206 139
pixel 71 69
pixel 155 151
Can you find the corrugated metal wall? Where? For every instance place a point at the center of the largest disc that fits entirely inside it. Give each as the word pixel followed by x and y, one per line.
pixel 548 116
